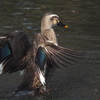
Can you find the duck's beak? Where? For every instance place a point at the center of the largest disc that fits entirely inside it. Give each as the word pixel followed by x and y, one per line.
pixel 62 25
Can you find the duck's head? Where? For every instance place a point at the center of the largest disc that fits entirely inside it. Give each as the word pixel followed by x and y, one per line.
pixel 54 18
pixel 50 19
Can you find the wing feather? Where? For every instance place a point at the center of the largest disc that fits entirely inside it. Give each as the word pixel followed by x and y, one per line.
pixel 13 48
pixel 58 55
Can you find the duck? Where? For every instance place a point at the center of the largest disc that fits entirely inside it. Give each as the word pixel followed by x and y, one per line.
pixel 39 59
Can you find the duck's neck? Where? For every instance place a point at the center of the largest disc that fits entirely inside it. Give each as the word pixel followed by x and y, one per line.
pixel 45 24
pixel 48 31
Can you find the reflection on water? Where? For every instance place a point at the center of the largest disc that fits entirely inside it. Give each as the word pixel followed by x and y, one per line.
pixel 79 82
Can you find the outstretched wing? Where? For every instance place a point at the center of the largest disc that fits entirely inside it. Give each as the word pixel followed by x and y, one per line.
pixel 60 56
pixel 50 56
pixel 56 56
pixel 13 47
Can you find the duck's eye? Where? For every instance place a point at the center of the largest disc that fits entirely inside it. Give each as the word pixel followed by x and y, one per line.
pixel 54 20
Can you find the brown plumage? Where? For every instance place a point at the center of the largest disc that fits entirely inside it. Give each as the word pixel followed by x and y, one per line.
pixel 39 59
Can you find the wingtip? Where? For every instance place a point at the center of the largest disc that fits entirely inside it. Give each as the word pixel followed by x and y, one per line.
pixel 41 76
pixel 42 79
pixel 1 68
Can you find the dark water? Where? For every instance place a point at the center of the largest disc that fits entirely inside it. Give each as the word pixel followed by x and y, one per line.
pixel 78 82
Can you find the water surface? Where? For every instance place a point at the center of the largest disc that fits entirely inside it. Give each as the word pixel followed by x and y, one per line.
pixel 78 82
